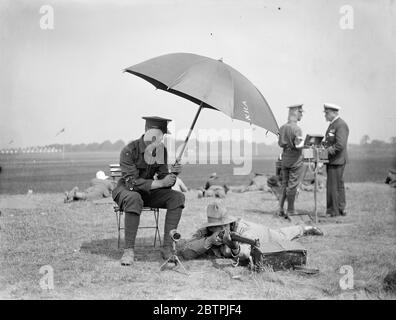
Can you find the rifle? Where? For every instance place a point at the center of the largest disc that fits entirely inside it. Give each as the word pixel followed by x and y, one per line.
pixel 283 260
pixel 235 236
pixel 256 261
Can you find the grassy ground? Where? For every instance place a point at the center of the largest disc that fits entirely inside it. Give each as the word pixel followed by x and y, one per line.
pixel 78 241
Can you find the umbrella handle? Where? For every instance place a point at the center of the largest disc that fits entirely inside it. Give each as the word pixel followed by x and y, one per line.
pixel 178 159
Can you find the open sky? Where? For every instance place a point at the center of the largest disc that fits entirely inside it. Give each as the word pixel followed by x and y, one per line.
pixel 293 51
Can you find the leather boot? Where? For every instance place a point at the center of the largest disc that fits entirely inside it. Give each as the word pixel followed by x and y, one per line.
pixel 166 252
pixel 291 197
pixel 128 257
pixel 312 231
pixel 282 200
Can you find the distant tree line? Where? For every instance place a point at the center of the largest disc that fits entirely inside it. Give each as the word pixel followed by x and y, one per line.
pixel 366 145
pixel 94 146
pixel 365 142
pixel 374 147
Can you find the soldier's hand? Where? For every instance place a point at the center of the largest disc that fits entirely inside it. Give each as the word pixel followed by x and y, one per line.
pixel 169 180
pixel 214 240
pixel 176 168
pixel 228 241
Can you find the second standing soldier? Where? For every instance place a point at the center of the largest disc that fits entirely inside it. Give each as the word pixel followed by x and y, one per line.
pixel 291 141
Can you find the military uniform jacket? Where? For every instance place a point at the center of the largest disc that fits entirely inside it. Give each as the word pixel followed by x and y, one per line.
pixel 336 140
pixel 137 173
pixel 289 135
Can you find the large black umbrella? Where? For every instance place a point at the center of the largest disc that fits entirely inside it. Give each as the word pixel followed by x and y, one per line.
pixel 209 83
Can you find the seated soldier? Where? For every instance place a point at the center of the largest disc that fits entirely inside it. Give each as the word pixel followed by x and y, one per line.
pixel 206 240
pixel 140 161
pixel 100 187
pixel 214 187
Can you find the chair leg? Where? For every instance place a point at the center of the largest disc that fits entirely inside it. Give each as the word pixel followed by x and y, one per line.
pixel 157 232
pixel 118 228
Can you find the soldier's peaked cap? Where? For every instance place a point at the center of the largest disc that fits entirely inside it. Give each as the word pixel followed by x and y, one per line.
pixel 332 106
pixel 295 106
pixel 158 123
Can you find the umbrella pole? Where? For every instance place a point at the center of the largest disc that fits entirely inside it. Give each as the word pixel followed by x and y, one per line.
pixel 178 159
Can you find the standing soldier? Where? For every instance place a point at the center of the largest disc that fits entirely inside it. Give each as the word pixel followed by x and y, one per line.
pixel 292 167
pixel 336 140
pixel 140 160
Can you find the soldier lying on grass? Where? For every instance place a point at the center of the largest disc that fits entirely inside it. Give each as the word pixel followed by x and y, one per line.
pixel 214 187
pixel 101 187
pixel 207 241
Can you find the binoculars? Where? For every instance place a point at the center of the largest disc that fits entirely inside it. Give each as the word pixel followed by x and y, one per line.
pixel 175 235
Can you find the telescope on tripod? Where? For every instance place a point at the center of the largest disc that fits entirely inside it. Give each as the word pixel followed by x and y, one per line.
pixel 175 236
pixel 315 153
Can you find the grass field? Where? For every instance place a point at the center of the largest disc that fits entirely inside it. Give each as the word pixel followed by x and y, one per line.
pixel 78 241
pixel 52 173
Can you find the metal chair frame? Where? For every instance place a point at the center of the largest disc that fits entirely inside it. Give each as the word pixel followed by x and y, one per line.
pixel 115 172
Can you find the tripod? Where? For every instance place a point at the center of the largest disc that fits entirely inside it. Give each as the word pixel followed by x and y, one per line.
pixel 174 259
pixel 317 161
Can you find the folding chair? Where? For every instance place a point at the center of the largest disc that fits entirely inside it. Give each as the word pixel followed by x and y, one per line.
pixel 115 173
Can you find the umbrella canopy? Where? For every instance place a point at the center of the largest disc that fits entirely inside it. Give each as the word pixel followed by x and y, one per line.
pixel 210 83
